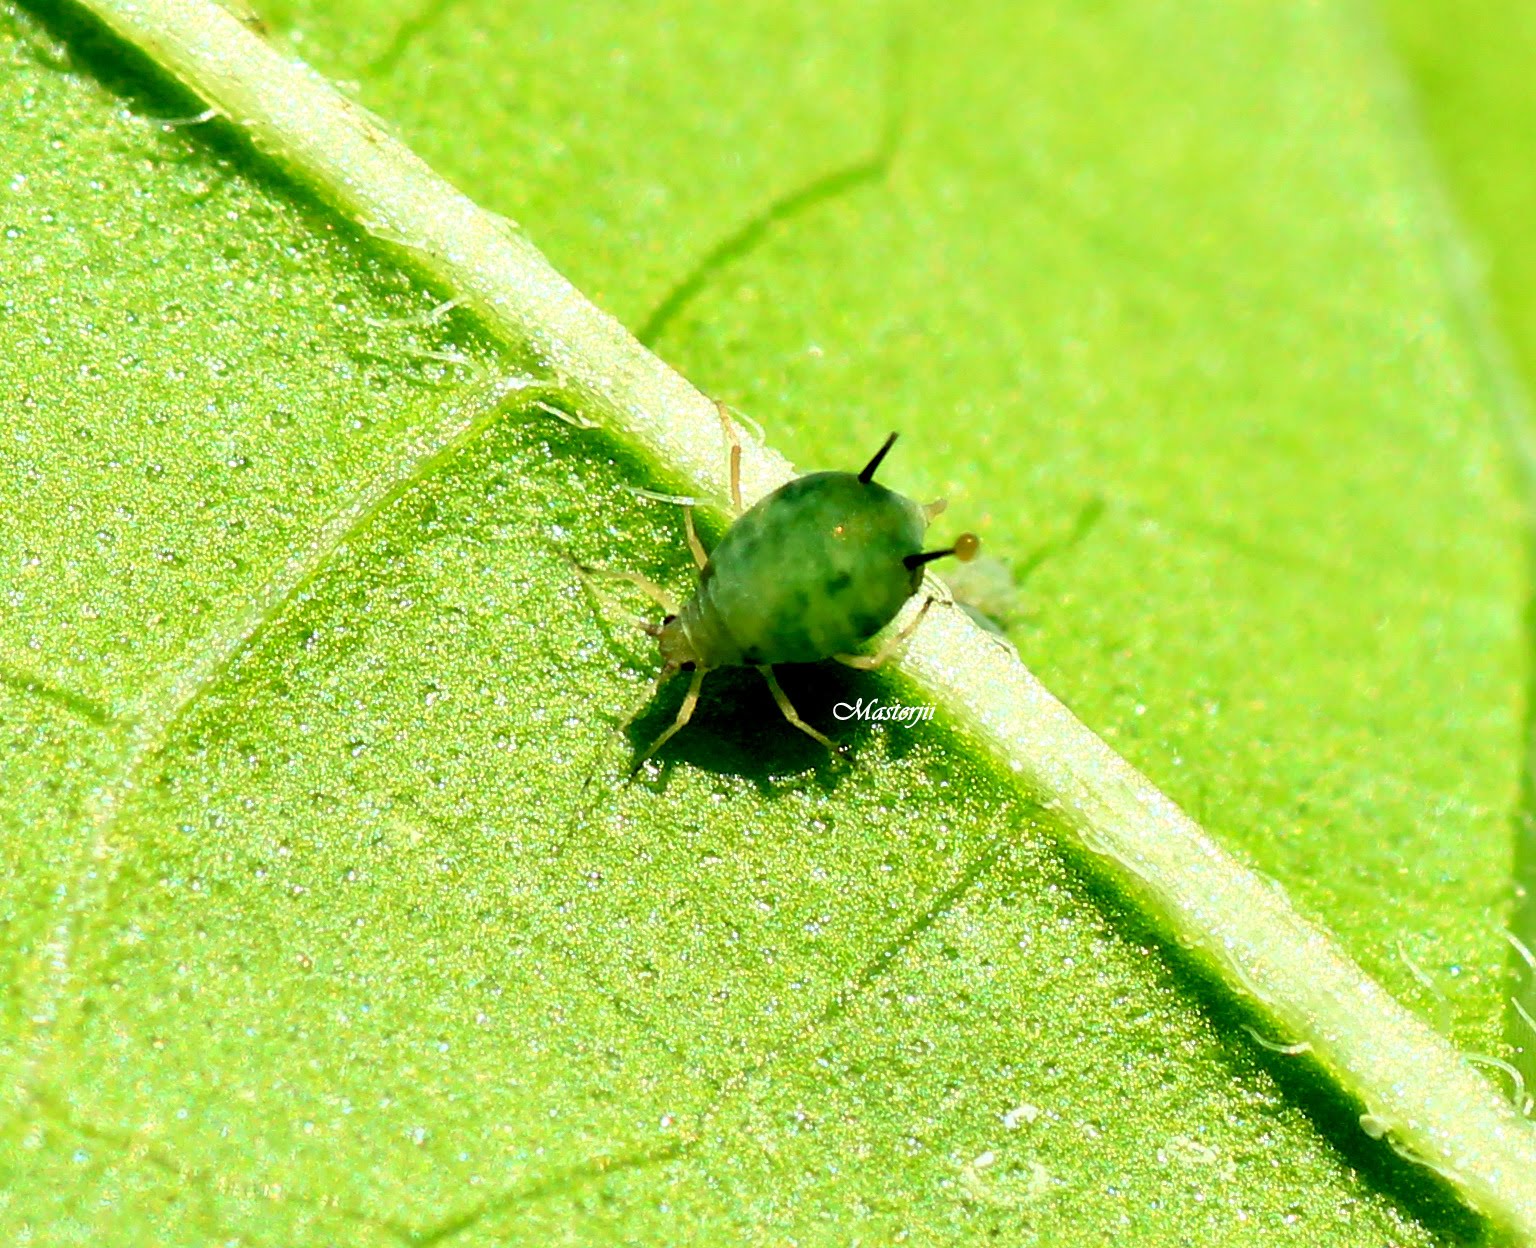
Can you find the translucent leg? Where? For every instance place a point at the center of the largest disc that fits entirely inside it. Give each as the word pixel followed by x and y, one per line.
pixel 700 555
pixel 867 662
pixel 684 714
pixel 788 709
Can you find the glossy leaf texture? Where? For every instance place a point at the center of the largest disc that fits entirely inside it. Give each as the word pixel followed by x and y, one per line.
pixel 381 947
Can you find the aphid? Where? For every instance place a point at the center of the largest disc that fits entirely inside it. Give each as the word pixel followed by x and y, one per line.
pixel 811 571
pixel 988 593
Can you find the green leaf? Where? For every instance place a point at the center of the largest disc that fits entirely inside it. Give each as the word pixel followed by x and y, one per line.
pixel 329 915
pixel 1468 66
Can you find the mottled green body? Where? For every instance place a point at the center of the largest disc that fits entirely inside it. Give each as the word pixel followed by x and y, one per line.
pixel 812 570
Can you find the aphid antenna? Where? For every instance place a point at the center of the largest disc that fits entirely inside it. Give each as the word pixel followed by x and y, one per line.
pixel 868 474
pixel 590 575
pixel 964 549
pixel 742 418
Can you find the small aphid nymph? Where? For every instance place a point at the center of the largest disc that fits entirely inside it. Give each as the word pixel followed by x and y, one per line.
pixel 811 571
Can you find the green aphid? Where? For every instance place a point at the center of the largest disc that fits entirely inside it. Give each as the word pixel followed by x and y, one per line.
pixel 987 591
pixel 811 571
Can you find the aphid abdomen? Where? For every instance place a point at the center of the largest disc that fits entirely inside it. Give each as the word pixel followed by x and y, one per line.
pixel 814 569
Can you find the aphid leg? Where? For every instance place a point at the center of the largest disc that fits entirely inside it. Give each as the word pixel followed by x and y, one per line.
pixel 867 662
pixel 700 556
pixel 788 709
pixel 684 714
pixel 734 443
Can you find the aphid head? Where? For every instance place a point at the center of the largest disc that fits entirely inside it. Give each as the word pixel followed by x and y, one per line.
pixel 677 652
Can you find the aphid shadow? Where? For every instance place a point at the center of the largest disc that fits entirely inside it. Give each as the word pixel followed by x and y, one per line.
pixel 737 729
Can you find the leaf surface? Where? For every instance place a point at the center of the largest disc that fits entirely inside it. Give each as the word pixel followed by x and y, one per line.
pixel 379 944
